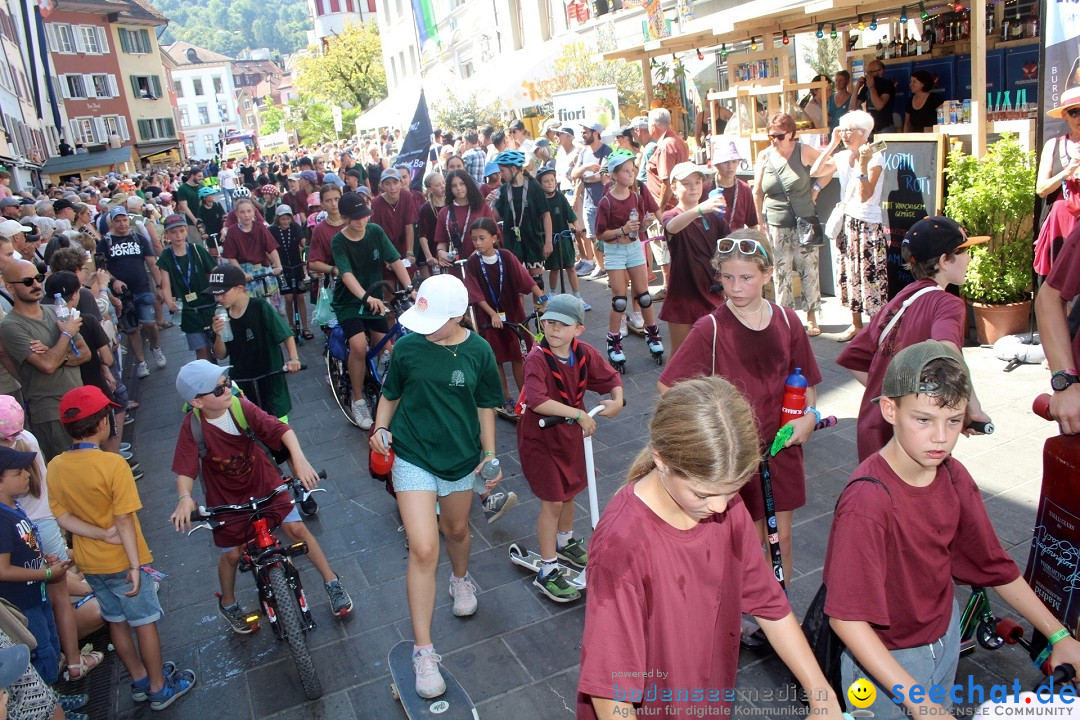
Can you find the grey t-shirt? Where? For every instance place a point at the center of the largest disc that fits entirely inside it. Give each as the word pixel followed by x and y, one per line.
pixel 41 391
pixel 8 382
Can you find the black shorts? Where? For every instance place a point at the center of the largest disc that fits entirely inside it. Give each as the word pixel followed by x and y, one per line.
pixel 355 326
pixel 292 281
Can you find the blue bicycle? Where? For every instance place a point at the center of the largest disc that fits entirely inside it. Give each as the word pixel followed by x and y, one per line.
pixel 377 358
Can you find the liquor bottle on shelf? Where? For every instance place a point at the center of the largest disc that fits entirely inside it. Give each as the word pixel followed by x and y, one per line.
pixel 882 53
pixel 1016 31
pixel 965 26
pixel 1031 28
pixel 1005 25
pixel 990 21
pixel 912 46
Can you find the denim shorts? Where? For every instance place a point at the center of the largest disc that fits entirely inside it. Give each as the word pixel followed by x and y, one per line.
pixel 52 540
pixel 590 219
pixel 145 306
pixel 622 256
pixel 116 607
pixel 293 516
pixel 197 340
pixel 407 476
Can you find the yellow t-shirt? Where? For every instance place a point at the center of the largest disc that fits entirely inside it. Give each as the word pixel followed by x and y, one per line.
pixel 95 486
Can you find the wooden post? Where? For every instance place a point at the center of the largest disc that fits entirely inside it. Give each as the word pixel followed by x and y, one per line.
pixel 978 78
pixel 646 79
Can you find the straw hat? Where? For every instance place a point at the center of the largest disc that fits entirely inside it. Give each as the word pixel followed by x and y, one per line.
pixel 1069 99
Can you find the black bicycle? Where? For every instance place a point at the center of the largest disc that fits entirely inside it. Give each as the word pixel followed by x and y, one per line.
pixel 281 593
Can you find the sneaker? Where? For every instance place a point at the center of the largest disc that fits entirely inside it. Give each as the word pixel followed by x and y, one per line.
pixel 497 503
pixel 340 602
pixel 588 307
pixel 597 273
pixel 463 590
pixel 133 464
pixel 362 414
pixel 554 585
pixel 126 454
pixel 140 691
pixel 574 553
pixel 175 688
pixel 142 371
pixel 579 264
pixel 159 357
pixel 236 617
pixel 73 702
pixel 637 322
pixel 508 411
pixel 129 419
pixel 429 681
pixel 623 332
pixel 125 447
pixel 137 475
pixel 586 268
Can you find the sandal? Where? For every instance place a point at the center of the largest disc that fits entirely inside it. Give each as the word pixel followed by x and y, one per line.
pixel 307 335
pixel 83 666
pixel 813 330
pixel 165 325
pixel 847 336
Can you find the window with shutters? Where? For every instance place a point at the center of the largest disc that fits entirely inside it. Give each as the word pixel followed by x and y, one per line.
pixel 82 130
pixel 102 87
pixel 62 37
pixel 146 87
pixel 74 87
pixel 135 42
pixel 157 129
pixel 91 40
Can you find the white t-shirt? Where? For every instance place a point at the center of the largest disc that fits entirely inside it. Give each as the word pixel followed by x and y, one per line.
pixel 869 211
pixel 227 179
pixel 36 508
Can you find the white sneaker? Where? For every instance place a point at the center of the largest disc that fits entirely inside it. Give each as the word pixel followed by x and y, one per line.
pixel 463 590
pixel 429 681
pixel 586 268
pixel 159 357
pixel 142 371
pixel 362 414
pixel 637 322
pixel 622 326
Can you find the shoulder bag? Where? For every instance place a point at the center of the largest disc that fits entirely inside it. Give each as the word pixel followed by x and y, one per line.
pixel 807 227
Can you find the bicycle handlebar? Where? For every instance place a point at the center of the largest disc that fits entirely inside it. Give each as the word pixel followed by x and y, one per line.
pixel 1041 406
pixel 553 420
pixel 272 373
pixel 288 483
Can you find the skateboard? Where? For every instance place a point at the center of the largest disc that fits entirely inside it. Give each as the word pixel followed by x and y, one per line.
pixel 531 560
pixel 454 704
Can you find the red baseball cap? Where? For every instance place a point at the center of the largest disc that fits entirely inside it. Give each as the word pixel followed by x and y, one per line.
pixel 82 402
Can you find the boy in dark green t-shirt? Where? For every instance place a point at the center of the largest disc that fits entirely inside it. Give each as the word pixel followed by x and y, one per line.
pixel 184 278
pixel 361 250
pixel 563 219
pixel 255 348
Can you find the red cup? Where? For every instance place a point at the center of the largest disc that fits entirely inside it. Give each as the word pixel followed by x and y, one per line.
pixel 381 464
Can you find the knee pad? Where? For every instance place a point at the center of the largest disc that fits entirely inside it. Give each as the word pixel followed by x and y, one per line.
pixel 644 299
pixel 618 303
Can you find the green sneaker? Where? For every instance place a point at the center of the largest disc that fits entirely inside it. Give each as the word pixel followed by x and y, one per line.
pixel 574 553
pixel 554 585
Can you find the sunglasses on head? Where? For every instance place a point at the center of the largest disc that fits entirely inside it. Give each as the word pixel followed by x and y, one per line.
pixel 725 246
pixel 219 390
pixel 29 281
pixel 1073 112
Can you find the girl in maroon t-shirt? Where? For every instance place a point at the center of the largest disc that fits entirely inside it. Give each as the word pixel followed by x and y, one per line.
pixel 464 206
pixel 692 228
pixel 249 245
pixel 435 189
pixel 496 280
pixel 673 564
pixel 756 345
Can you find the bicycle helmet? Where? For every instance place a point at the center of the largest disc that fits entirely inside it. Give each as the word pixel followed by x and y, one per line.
pixel 269 191
pixel 515 158
pixel 618 157
pixel 241 192
pixel 205 192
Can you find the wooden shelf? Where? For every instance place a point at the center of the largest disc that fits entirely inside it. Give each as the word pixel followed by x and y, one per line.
pixel 1022 42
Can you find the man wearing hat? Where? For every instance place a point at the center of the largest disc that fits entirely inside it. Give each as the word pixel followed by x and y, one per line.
pixel 591 171
pixel 64 210
pixel 184 277
pixel 16 233
pixel 9 207
pixel 516 135
pixel 935 250
pixel 46 351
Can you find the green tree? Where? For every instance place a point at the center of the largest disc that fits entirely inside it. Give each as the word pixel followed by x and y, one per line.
pixel 577 67
pixel 349 71
pixel 823 55
pixel 464 113
pixel 232 26
pixel 271 120
pixel 313 120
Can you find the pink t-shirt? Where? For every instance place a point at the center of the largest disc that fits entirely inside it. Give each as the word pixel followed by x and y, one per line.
pixel 937 315
pixel 893 556
pixel 670 600
pixel 612 213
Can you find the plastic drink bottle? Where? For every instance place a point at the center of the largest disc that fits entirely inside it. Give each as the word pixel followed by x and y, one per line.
pixel 794 397
pixel 634 217
pixel 62 310
pixel 488 471
pixel 226 332
pixel 719 192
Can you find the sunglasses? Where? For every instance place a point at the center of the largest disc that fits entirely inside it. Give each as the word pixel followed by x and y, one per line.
pixel 1073 112
pixel 778 136
pixel 30 281
pixel 725 246
pixel 218 391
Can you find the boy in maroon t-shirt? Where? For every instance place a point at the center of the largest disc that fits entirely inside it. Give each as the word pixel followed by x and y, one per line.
pixel 935 249
pixel 395 210
pixel 1062 352
pixel 911 523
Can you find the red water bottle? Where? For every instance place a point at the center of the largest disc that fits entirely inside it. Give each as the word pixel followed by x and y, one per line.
pixel 794 397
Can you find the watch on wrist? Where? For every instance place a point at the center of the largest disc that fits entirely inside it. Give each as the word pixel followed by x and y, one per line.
pixel 1062 379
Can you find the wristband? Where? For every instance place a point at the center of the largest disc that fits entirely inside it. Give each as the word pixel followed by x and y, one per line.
pixel 294 360
pixel 489 453
pixel 816 412
pixel 1058 636
pixel 816 185
pixel 182 497
pixel 700 214
pixel 578 418
pixel 48 576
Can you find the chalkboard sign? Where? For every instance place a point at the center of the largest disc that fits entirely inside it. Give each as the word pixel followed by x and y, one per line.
pixel 911 190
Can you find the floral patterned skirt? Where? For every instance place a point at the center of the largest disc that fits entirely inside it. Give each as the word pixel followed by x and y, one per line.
pixel 864 282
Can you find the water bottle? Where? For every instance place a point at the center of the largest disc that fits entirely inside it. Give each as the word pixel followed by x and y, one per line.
pixel 634 217
pixel 794 397
pixel 719 192
pixel 63 312
pixel 384 363
pixel 488 471
pixel 226 332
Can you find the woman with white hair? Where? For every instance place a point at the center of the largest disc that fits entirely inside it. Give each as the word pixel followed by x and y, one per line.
pixel 861 240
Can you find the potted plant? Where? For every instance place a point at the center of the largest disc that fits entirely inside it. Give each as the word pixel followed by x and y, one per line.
pixel 995 196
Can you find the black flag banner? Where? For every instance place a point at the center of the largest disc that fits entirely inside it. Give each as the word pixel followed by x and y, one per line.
pixel 417 145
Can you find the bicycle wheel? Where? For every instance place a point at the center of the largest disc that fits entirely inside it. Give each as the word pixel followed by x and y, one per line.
pixel 337 375
pixel 292 628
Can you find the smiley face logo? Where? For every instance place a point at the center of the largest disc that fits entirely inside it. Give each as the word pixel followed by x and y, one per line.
pixel 862 693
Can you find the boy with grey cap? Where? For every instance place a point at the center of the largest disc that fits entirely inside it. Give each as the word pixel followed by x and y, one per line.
pixel 909 524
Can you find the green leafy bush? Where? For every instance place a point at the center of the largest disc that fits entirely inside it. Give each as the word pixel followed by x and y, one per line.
pixel 995 195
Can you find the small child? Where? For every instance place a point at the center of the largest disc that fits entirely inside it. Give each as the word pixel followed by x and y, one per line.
pixel 624 256
pixel 523 210
pixel 674 561
pixel 255 349
pixel 900 540
pixel 185 268
pixel 496 280
pixel 97 489
pixel 290 240
pixel 935 250
pixel 558 371
pixel 756 345
pixel 206 387
pixel 562 219
pixel 211 215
